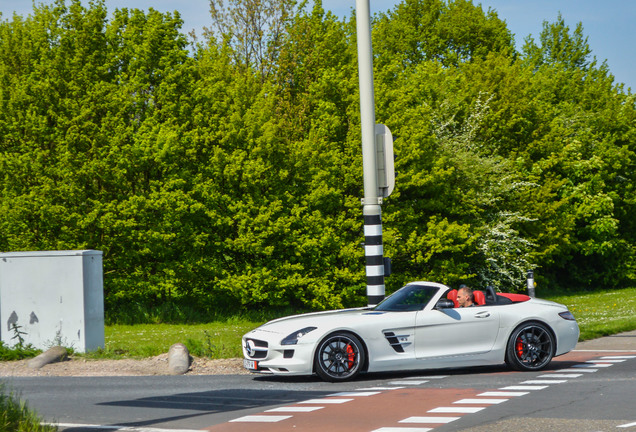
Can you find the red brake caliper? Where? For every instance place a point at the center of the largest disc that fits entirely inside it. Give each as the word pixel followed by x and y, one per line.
pixel 351 356
pixel 519 347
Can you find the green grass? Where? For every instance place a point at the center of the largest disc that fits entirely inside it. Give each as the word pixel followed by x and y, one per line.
pixel 15 416
pixel 213 340
pixel 601 313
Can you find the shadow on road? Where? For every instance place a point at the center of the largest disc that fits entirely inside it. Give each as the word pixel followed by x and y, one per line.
pixel 215 401
pixel 228 400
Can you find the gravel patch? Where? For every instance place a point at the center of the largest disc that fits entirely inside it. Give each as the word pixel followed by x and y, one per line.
pixel 77 366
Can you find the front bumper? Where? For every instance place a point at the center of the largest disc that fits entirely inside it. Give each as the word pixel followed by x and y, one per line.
pixel 263 353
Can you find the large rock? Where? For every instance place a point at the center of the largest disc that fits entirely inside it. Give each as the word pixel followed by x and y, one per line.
pixel 52 355
pixel 178 359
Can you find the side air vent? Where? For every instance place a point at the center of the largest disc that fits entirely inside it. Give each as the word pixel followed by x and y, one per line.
pixel 397 342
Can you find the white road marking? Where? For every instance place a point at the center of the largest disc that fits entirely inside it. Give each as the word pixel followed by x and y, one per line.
pixel 406 382
pixel 555 375
pixel 428 377
pixel 351 394
pixel 592 365
pixel 588 366
pixel 580 369
pixel 401 429
pixel 544 382
pixel 260 419
pixel 429 419
pixel 380 388
pixel 457 410
pixel 480 401
pixel 521 387
pixel 325 401
pixel 502 394
pixel 295 409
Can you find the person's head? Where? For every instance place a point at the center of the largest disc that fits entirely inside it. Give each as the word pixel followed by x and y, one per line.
pixel 465 296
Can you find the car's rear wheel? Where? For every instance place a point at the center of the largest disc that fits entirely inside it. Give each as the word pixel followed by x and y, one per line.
pixel 530 347
pixel 340 357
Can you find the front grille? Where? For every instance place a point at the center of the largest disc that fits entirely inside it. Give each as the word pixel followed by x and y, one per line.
pixel 258 348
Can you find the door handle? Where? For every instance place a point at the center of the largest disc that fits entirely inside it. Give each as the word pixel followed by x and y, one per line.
pixel 484 314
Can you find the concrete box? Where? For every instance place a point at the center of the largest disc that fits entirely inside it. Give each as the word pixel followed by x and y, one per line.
pixel 55 297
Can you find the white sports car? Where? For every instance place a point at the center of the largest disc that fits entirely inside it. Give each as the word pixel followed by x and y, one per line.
pixel 417 327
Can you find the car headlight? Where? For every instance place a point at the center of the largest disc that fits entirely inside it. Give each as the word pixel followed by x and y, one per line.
pixel 292 339
pixel 567 316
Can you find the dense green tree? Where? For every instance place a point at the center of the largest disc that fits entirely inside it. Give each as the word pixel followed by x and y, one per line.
pixel 558 46
pixel 227 173
pixel 286 181
pixel 435 30
pixel 519 147
pixel 85 130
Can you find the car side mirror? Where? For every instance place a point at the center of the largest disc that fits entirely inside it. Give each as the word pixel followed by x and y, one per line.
pixel 444 304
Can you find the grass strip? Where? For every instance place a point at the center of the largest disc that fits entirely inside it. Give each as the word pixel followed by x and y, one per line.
pixel 601 313
pixel 15 416
pixel 214 340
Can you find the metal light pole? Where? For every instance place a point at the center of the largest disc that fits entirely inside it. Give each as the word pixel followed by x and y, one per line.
pixel 373 250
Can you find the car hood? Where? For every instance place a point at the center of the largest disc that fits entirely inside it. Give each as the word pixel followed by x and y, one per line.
pixel 315 319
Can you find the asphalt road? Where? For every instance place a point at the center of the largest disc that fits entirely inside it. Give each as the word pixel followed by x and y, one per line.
pixel 591 389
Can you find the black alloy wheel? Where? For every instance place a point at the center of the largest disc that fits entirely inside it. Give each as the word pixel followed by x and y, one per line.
pixel 340 357
pixel 530 347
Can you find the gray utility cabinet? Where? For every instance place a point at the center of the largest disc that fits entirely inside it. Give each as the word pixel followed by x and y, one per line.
pixel 53 298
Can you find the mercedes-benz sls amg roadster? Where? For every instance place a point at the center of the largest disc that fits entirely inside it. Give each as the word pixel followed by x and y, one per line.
pixel 420 326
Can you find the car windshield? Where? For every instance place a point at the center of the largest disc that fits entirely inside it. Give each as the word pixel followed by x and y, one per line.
pixel 408 298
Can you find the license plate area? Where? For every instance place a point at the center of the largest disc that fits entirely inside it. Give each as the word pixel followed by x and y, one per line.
pixel 250 364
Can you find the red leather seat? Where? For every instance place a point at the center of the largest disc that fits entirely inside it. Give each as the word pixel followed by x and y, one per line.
pixel 452 295
pixel 480 298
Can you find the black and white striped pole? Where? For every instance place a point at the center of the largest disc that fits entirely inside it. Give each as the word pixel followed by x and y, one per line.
pixel 530 281
pixel 377 161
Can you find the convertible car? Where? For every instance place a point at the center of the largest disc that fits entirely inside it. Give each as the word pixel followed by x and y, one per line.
pixel 417 327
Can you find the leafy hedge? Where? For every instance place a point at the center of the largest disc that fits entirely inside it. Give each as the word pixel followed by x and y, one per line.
pixel 229 178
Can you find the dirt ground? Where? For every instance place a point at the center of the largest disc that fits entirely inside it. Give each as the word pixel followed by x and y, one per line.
pixel 158 365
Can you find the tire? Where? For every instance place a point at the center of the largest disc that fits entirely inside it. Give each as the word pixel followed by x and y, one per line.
pixel 530 347
pixel 339 357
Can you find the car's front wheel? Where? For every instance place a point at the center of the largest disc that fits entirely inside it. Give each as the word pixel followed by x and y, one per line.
pixel 530 347
pixel 340 357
